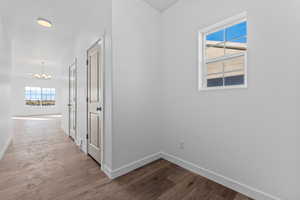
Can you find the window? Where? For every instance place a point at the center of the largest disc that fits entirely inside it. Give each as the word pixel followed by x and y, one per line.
pixel 32 96
pixel 36 96
pixel 223 53
pixel 48 96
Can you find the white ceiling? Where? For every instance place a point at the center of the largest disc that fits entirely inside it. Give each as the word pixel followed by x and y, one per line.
pixel 32 44
pixel 161 5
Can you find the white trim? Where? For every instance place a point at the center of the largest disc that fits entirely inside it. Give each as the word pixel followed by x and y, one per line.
pixel 227 22
pixel 77 142
pixel 83 147
pixel 132 166
pixel 224 88
pixel 6 145
pixel 218 178
pixel 202 83
pixel 107 171
pixel 65 132
pixel 201 71
pixel 224 58
pixel 100 43
pixel 209 174
pixel 74 64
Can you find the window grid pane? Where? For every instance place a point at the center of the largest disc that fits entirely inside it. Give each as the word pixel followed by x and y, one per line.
pixel 224 56
pixel 36 96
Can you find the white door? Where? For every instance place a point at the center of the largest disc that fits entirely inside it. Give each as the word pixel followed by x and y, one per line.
pixel 95 100
pixel 73 100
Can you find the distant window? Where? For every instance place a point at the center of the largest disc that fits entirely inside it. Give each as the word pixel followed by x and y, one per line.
pixel 33 96
pixel 223 52
pixel 48 96
pixel 36 96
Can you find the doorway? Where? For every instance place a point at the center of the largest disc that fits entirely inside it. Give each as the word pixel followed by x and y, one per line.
pixel 95 99
pixel 73 101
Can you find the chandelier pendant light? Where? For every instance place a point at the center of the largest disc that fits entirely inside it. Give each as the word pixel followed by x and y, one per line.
pixel 42 75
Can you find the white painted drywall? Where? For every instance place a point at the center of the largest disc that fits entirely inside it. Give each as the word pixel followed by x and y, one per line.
pixel 5 79
pixel 132 85
pixel 249 135
pixel 136 81
pixel 161 5
pixel 97 24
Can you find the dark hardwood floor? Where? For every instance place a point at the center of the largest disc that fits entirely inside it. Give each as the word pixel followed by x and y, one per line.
pixel 43 164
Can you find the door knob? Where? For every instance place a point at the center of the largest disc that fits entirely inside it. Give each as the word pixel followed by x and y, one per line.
pixel 99 108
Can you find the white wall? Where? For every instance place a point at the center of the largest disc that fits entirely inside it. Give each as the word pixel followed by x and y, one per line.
pixel 249 135
pixel 132 85
pixel 18 88
pixel 136 81
pixel 5 76
pixel 97 23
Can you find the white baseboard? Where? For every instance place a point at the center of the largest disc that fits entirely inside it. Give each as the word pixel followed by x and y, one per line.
pixel 65 132
pixel 107 171
pixel 218 178
pixel 3 150
pixel 77 142
pixel 132 166
pixel 84 147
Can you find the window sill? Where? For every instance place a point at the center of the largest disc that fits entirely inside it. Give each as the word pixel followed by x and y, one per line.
pixel 223 88
pixel 34 106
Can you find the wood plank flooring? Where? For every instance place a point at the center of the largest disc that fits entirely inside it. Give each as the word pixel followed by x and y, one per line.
pixel 43 164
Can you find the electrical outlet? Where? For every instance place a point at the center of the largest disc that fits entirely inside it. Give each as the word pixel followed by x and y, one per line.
pixel 181 145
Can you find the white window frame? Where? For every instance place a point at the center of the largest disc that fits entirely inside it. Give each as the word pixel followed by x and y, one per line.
pixel 41 99
pixel 202 62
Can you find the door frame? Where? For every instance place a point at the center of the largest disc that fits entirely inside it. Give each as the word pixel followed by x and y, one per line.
pixel 76 97
pixel 101 40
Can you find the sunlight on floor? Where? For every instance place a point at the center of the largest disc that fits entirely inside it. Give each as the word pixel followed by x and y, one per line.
pixel 45 117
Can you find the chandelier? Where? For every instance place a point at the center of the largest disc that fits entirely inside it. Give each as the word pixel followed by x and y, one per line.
pixel 42 75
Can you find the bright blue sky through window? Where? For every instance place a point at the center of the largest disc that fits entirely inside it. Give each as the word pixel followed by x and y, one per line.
pixel 235 33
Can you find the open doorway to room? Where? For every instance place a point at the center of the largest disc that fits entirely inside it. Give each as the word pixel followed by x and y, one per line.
pixel 73 101
pixel 95 100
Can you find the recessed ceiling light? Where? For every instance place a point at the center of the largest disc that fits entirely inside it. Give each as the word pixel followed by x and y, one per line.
pixel 44 22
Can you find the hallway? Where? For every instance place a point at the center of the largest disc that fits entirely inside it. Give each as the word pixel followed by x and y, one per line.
pixel 42 163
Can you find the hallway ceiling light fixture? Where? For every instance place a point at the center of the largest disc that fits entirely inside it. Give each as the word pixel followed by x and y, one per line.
pixel 44 22
pixel 42 75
